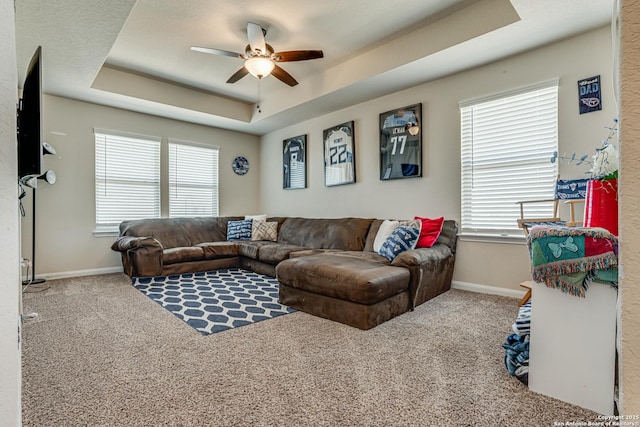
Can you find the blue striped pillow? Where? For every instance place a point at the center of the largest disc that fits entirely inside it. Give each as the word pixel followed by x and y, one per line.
pixel 239 230
pixel 401 239
pixel 522 325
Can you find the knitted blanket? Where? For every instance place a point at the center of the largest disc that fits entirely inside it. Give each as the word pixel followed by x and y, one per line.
pixel 569 258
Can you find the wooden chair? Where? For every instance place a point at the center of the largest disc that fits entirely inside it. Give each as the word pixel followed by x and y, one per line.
pixel 571 191
pixel 572 203
pixel 527 296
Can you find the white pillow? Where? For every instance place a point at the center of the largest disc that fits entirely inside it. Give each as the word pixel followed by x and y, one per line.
pixel 385 230
pixel 256 217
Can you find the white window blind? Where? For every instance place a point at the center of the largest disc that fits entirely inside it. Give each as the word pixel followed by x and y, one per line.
pixel 507 142
pixel 193 180
pixel 127 178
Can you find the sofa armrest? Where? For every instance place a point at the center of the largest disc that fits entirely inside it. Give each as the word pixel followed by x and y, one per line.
pixel 431 270
pixel 125 243
pixel 420 256
pixel 141 256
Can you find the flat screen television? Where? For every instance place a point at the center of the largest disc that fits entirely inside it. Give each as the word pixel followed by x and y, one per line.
pixel 30 120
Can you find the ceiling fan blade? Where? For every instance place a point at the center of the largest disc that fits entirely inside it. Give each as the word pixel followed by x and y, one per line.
pixel 217 52
pixel 283 76
pixel 238 75
pixel 297 55
pixel 256 37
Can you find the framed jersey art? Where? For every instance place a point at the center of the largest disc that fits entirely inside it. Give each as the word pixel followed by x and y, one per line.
pixel 339 155
pixel 401 143
pixel 294 164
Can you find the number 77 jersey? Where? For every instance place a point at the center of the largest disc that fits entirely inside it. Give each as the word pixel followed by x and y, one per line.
pixel 399 151
pixel 338 156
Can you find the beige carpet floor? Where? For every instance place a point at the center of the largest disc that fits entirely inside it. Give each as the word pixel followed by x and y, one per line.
pixel 102 354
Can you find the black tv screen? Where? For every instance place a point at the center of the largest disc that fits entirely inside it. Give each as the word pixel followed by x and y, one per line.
pixel 30 120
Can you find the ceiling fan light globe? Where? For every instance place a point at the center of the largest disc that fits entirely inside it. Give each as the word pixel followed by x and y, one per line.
pixel 259 67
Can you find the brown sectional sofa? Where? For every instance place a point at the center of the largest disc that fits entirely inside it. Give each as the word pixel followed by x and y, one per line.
pixel 326 267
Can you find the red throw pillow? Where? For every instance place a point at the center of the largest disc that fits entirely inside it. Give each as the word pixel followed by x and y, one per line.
pixel 431 229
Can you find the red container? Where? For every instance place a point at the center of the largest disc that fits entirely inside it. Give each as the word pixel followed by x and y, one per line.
pixel 601 205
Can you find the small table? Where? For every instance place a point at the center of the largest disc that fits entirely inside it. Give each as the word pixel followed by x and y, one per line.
pixel 573 346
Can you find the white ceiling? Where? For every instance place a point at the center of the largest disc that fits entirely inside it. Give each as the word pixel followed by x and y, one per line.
pixel 135 54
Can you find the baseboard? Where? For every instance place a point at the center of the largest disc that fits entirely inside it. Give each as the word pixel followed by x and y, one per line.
pixel 80 273
pixel 485 289
pixel 464 286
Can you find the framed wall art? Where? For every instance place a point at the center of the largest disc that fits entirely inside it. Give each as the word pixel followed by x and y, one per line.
pixel 339 155
pixel 240 165
pixel 294 162
pixel 590 95
pixel 401 143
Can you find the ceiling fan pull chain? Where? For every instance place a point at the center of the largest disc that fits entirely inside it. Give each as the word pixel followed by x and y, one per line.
pixel 258 97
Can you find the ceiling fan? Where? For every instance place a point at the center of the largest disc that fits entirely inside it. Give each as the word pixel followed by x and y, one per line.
pixel 260 58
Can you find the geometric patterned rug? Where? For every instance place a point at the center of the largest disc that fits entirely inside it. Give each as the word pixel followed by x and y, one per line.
pixel 215 301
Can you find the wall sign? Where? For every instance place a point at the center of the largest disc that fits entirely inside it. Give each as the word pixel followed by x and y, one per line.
pixel 589 96
pixel 240 165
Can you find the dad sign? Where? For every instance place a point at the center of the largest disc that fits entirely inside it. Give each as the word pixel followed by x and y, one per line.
pixel 589 96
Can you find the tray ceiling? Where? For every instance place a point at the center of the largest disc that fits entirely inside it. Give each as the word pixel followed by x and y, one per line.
pixel 136 54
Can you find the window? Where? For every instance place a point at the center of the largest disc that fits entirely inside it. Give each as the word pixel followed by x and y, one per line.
pixel 127 178
pixel 193 180
pixel 507 143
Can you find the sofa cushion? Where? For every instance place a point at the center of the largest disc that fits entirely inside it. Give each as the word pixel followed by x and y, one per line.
pixel 178 232
pixel 308 252
pixel 371 235
pixel 352 278
pixel 401 239
pixel 273 254
pixel 375 229
pixel 214 250
pixel 261 217
pixel 332 233
pixel 362 255
pixel 385 230
pixel 263 230
pixel 431 229
pixel 176 255
pixel 250 248
pixel 239 230
pixel 411 223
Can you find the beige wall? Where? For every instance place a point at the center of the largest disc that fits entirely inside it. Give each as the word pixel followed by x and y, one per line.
pixel 65 212
pixel 438 191
pixel 10 366
pixel 630 207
